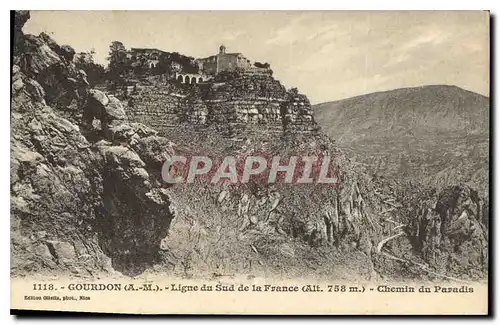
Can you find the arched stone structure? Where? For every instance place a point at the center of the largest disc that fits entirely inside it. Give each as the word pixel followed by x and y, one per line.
pixel 153 64
pixel 191 78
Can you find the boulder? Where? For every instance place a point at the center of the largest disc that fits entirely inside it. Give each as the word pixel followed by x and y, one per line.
pixel 43 251
pixel 63 251
pixel 99 96
pixel 114 110
pixel 35 90
pixel 122 156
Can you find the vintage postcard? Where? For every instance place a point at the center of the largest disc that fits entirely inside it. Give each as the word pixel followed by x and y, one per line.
pixel 250 162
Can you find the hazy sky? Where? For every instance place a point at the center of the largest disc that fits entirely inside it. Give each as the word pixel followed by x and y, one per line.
pixel 328 55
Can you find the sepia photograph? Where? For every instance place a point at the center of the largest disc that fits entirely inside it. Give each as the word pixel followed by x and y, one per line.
pixel 250 162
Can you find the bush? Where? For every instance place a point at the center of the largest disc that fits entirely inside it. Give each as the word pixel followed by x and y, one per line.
pixel 262 65
pixel 95 72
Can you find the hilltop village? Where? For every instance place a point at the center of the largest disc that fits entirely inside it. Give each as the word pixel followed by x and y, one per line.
pixel 226 90
pixel 189 70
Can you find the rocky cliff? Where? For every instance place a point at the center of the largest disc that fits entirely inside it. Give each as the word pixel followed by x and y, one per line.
pixel 438 134
pixel 85 205
pixel 236 104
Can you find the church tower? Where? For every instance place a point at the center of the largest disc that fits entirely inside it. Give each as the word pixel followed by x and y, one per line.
pixel 222 49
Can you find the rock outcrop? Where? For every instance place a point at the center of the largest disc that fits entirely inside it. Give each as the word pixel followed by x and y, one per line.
pixel 79 204
pixel 237 104
pixel 448 230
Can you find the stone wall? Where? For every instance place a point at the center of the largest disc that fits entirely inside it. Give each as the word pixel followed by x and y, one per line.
pixel 255 71
pixel 231 61
pixel 208 65
pixel 240 105
pixel 156 107
pixel 298 115
pixel 224 62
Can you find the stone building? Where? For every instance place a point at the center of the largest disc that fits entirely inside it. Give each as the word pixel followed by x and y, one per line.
pixel 223 62
pixel 151 56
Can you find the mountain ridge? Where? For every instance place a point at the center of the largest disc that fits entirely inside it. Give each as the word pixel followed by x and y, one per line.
pixel 434 108
pixel 393 89
pixel 426 132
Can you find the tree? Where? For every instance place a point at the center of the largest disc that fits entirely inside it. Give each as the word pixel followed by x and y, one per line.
pixel 262 65
pixel 165 64
pixel 95 72
pixel 139 66
pixel 119 65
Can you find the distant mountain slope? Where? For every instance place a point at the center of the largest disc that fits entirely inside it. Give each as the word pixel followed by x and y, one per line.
pixel 438 133
pixel 406 111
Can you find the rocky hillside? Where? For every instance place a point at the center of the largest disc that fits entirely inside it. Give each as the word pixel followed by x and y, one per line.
pixel 235 104
pixel 406 111
pixel 78 206
pixel 87 195
pixel 439 134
